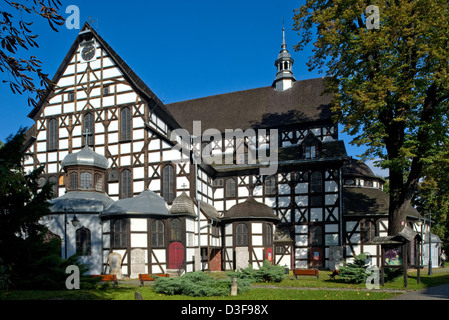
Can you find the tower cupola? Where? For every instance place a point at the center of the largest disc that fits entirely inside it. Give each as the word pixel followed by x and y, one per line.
pixel 284 76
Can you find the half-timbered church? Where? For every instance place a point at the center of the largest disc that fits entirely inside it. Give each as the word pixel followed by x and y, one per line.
pixel 128 182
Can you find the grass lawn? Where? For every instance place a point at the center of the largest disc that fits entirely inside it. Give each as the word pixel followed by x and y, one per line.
pixel 303 288
pixel 127 293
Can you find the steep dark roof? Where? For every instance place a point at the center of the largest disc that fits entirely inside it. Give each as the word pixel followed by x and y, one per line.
pixel 256 108
pixel 81 202
pixel 356 168
pixel 368 201
pixel 146 203
pixel 209 211
pixel 250 209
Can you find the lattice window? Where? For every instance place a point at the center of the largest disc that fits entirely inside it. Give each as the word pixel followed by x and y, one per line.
pixel 86 181
pixel 120 234
pixel 89 127
pixel 126 184
pixel 73 181
pixel 176 230
pixel 98 182
pixel 230 188
pixel 52 135
pixel 83 242
pixel 157 234
pixel 241 235
pixel 368 231
pixel 270 185
pixel 168 184
pixel 316 236
pixel 113 176
pixel 316 182
pixel 268 235
pixel 125 124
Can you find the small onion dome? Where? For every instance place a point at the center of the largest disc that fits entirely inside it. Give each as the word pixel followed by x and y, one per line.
pixel 86 157
pixel 183 204
pixel 250 209
pixel 146 203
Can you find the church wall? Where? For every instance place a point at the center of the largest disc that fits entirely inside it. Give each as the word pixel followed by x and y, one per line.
pixel 305 212
pixel 55 224
pixel 190 244
pixel 141 255
pixel 356 241
pixel 253 251
pixel 100 88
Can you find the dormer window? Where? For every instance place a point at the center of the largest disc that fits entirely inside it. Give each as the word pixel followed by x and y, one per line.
pixel 311 147
pixel 310 152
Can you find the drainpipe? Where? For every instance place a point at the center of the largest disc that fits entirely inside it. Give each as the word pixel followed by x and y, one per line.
pixel 340 191
pixel 196 197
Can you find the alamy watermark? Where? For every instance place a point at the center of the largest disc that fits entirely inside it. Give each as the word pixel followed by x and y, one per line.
pixel 372 17
pixel 373 280
pixel 73 281
pixel 73 20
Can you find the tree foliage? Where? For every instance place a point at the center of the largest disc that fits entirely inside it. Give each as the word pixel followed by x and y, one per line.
pixel 26 259
pixel 16 36
pixel 266 273
pixel 390 85
pixel 433 195
pixel 355 272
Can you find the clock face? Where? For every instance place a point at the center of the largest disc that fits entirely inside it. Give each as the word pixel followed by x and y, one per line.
pixel 88 52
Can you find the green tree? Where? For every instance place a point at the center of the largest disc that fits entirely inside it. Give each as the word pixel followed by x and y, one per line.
pixel 16 35
pixel 27 261
pixel 433 195
pixel 390 85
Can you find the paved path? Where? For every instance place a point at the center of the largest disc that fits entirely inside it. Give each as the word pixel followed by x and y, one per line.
pixel 432 293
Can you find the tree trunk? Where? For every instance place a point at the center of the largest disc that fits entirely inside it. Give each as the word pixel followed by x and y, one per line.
pixel 396 216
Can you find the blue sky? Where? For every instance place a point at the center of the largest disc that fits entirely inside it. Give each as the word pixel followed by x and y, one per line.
pixel 181 49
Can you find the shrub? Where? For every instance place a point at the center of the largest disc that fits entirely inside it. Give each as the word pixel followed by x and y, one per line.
pixel 4 277
pixel 355 272
pixel 271 273
pixel 266 273
pixel 197 284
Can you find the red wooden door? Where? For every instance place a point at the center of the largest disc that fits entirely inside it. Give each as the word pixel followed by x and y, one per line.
pixel 176 256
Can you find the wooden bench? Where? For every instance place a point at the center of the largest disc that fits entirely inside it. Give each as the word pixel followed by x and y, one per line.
pixel 306 272
pixel 107 278
pixel 152 277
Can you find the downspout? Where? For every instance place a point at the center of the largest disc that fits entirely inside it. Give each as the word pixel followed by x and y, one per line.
pixel 340 183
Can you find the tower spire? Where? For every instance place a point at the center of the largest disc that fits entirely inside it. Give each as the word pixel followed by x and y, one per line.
pixel 284 77
pixel 284 45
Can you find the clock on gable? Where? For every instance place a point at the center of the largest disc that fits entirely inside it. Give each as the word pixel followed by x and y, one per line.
pixel 88 51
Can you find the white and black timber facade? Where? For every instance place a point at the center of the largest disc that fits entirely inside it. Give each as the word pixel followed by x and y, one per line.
pixel 138 196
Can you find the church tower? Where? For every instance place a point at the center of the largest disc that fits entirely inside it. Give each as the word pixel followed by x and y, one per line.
pixel 284 77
